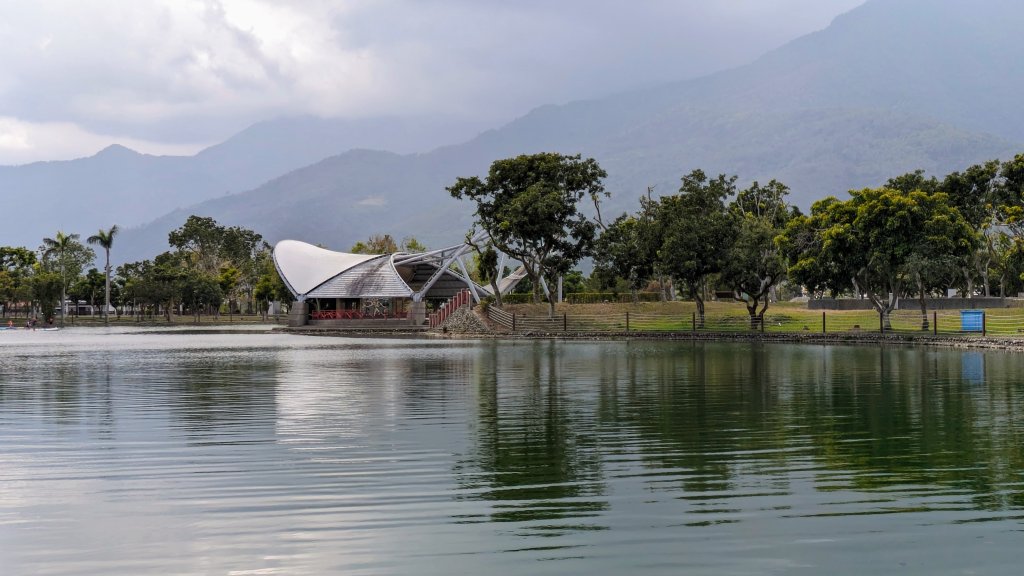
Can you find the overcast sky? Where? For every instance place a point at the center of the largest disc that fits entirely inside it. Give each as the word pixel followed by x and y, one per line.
pixel 172 76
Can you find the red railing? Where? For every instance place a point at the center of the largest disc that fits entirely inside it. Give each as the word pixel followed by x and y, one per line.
pixel 448 308
pixel 353 315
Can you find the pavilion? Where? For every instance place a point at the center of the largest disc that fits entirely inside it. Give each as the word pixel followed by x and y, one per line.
pixel 338 288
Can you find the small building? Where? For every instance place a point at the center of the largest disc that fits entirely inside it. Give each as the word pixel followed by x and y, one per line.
pixel 338 288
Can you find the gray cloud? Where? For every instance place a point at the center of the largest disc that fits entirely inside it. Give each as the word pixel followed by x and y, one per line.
pixel 172 73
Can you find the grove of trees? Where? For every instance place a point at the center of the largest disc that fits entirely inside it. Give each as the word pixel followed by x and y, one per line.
pixel 913 236
pixel 209 267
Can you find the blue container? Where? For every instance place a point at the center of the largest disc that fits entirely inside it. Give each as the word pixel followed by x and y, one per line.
pixel 971 320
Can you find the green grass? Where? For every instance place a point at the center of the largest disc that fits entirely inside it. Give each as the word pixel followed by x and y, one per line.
pixel 723 316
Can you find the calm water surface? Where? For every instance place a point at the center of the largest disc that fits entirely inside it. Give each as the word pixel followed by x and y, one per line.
pixel 149 452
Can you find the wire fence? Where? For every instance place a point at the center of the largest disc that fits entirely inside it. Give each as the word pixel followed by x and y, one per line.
pixel 933 322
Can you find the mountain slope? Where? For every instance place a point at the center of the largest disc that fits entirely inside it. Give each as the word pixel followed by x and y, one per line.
pixel 890 87
pixel 120 186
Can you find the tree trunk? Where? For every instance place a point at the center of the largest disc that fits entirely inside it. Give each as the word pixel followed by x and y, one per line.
pixel 921 293
pixel 700 309
pixel 767 300
pixel 969 282
pixel 106 302
pixel 497 293
pixel 752 311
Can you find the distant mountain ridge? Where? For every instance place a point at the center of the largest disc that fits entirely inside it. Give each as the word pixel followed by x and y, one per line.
pixel 843 108
pixel 120 186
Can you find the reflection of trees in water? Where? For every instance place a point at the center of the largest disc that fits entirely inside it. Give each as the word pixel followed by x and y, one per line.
pixel 873 419
pixel 702 410
pixel 211 394
pixel 715 420
pixel 69 389
pixel 536 456
pixel 917 418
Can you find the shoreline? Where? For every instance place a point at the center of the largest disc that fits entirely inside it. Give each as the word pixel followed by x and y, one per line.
pixel 902 339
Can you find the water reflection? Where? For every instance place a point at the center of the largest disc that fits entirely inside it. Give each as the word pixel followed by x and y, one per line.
pixel 531 463
pixel 306 456
pixel 735 430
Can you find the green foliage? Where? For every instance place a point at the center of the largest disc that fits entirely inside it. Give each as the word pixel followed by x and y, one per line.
pixel 199 291
pixel 385 244
pixel 601 297
pixel 627 249
pixel 90 288
pixel 883 239
pixel 16 269
pixel 105 238
pixel 697 231
pixel 65 254
pixel 530 207
pixel 755 262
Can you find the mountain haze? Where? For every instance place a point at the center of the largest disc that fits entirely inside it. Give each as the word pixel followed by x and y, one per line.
pixel 890 87
pixel 121 186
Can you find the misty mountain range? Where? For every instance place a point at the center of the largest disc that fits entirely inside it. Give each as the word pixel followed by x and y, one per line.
pixel 890 87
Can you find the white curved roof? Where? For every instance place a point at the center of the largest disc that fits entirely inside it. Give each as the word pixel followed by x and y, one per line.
pixel 304 266
pixel 374 279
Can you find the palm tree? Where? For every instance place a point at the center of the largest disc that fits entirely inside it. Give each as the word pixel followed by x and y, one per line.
pixel 106 240
pixel 58 246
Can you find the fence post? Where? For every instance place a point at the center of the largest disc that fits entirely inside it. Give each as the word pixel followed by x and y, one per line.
pixel 823 331
pixel 935 322
pixel 694 320
pixel 881 322
pixel 627 321
pixel 762 323
pixel 984 324
pixel 565 320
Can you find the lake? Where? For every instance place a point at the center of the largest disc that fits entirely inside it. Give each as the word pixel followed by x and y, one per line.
pixel 203 452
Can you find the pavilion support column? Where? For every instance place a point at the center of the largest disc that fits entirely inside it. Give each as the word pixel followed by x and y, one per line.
pixel 417 312
pixel 298 314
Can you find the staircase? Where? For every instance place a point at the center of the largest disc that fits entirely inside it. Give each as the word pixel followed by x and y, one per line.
pixel 448 308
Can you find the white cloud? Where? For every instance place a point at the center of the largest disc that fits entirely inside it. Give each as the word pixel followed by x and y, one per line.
pixel 24 142
pixel 184 71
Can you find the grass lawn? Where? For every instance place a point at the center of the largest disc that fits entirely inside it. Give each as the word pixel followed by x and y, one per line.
pixel 732 316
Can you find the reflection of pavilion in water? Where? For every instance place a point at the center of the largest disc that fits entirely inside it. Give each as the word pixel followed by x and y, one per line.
pixel 351 290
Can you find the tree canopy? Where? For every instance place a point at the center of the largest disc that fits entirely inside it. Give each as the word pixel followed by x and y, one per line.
pixel 530 206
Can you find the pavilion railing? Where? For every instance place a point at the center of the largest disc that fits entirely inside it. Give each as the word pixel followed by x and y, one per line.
pixel 448 308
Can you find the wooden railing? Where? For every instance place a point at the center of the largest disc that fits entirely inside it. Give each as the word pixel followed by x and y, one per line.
pixel 448 308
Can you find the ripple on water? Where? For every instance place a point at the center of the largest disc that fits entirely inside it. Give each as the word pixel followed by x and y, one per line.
pixel 137 452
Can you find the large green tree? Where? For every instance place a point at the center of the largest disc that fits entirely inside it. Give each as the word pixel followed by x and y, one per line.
pixel 200 240
pixel 890 243
pixel 66 255
pixel 697 232
pixel 802 242
pixel 530 206
pixel 16 268
pixel 622 251
pixel 755 263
